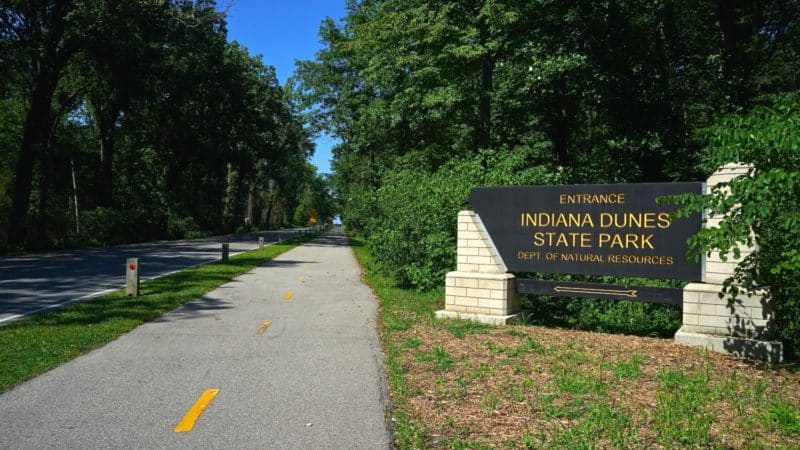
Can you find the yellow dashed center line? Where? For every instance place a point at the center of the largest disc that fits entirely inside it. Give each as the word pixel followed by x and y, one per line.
pixel 187 423
pixel 264 326
pixel 288 295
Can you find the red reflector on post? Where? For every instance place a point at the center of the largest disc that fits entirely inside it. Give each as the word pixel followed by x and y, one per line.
pixel 132 267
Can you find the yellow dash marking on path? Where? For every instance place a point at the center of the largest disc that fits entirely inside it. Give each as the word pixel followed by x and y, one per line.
pixel 301 278
pixel 187 423
pixel 264 326
pixel 288 296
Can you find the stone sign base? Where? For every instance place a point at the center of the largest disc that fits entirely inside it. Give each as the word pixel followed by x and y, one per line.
pixel 483 318
pixel 483 297
pixel 769 351
pixel 479 289
pixel 725 325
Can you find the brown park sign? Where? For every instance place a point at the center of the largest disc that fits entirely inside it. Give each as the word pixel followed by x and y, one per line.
pixel 593 229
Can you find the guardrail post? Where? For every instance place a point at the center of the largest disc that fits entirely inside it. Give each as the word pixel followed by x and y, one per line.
pixel 225 251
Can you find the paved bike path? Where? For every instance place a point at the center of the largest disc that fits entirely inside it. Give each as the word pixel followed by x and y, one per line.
pixel 313 379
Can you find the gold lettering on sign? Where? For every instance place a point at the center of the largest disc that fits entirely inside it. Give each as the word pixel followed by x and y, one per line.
pixel 635 220
pixel 544 219
pixel 604 229
pixel 613 198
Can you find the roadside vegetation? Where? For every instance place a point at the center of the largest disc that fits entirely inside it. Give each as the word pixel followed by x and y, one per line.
pixel 458 385
pixel 432 98
pixel 40 342
pixel 137 120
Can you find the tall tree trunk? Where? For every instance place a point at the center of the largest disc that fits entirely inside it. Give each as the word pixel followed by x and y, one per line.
pixel 75 191
pixel 49 55
pixel 251 199
pixel 34 142
pixel 231 199
pixel 107 127
pixel 269 200
pixel 487 86
pixel 560 127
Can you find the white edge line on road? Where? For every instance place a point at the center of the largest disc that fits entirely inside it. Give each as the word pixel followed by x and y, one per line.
pixel 106 291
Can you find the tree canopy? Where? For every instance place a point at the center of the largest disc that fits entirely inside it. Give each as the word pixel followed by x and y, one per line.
pixel 431 98
pixel 132 120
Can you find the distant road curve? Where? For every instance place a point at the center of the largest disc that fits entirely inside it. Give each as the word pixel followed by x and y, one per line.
pixel 37 282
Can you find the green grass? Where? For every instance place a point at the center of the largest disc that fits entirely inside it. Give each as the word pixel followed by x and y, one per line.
pixel 400 308
pixel 563 391
pixel 784 417
pixel 43 341
pixel 460 328
pixel 439 357
pixel 629 369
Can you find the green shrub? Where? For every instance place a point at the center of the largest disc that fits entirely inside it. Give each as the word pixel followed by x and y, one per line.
pixel 411 226
pixel 180 227
pixel 104 226
pixel 766 202
pixel 613 316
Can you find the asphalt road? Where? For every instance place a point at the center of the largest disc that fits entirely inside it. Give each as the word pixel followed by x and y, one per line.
pixel 312 379
pixel 36 282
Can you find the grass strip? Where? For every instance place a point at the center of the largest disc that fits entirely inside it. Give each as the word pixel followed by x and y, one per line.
pixel 40 342
pixel 457 384
pixel 399 310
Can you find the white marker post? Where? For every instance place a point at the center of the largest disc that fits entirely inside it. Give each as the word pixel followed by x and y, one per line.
pixel 132 277
pixel 261 243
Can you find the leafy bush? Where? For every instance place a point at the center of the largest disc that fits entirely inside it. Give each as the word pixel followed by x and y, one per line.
pixel 610 316
pixel 766 202
pixel 107 226
pixel 180 227
pixel 104 226
pixel 411 224
pixel 413 231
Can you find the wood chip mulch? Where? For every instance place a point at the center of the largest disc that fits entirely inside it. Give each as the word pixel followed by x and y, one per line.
pixel 502 386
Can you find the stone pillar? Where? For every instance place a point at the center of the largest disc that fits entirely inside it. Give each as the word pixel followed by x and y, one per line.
pixel 723 324
pixel 479 289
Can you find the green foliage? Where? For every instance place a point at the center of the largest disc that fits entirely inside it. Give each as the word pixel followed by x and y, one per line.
pixel 181 227
pixel 433 98
pixel 761 208
pixel 168 129
pixel 11 118
pixel 412 228
pixel 785 417
pixel 610 316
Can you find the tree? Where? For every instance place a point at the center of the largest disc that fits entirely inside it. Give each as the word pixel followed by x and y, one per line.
pixel 608 91
pixel 761 209
pixel 166 128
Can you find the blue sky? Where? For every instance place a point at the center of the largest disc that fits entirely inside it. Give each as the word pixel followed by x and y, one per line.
pixel 282 32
